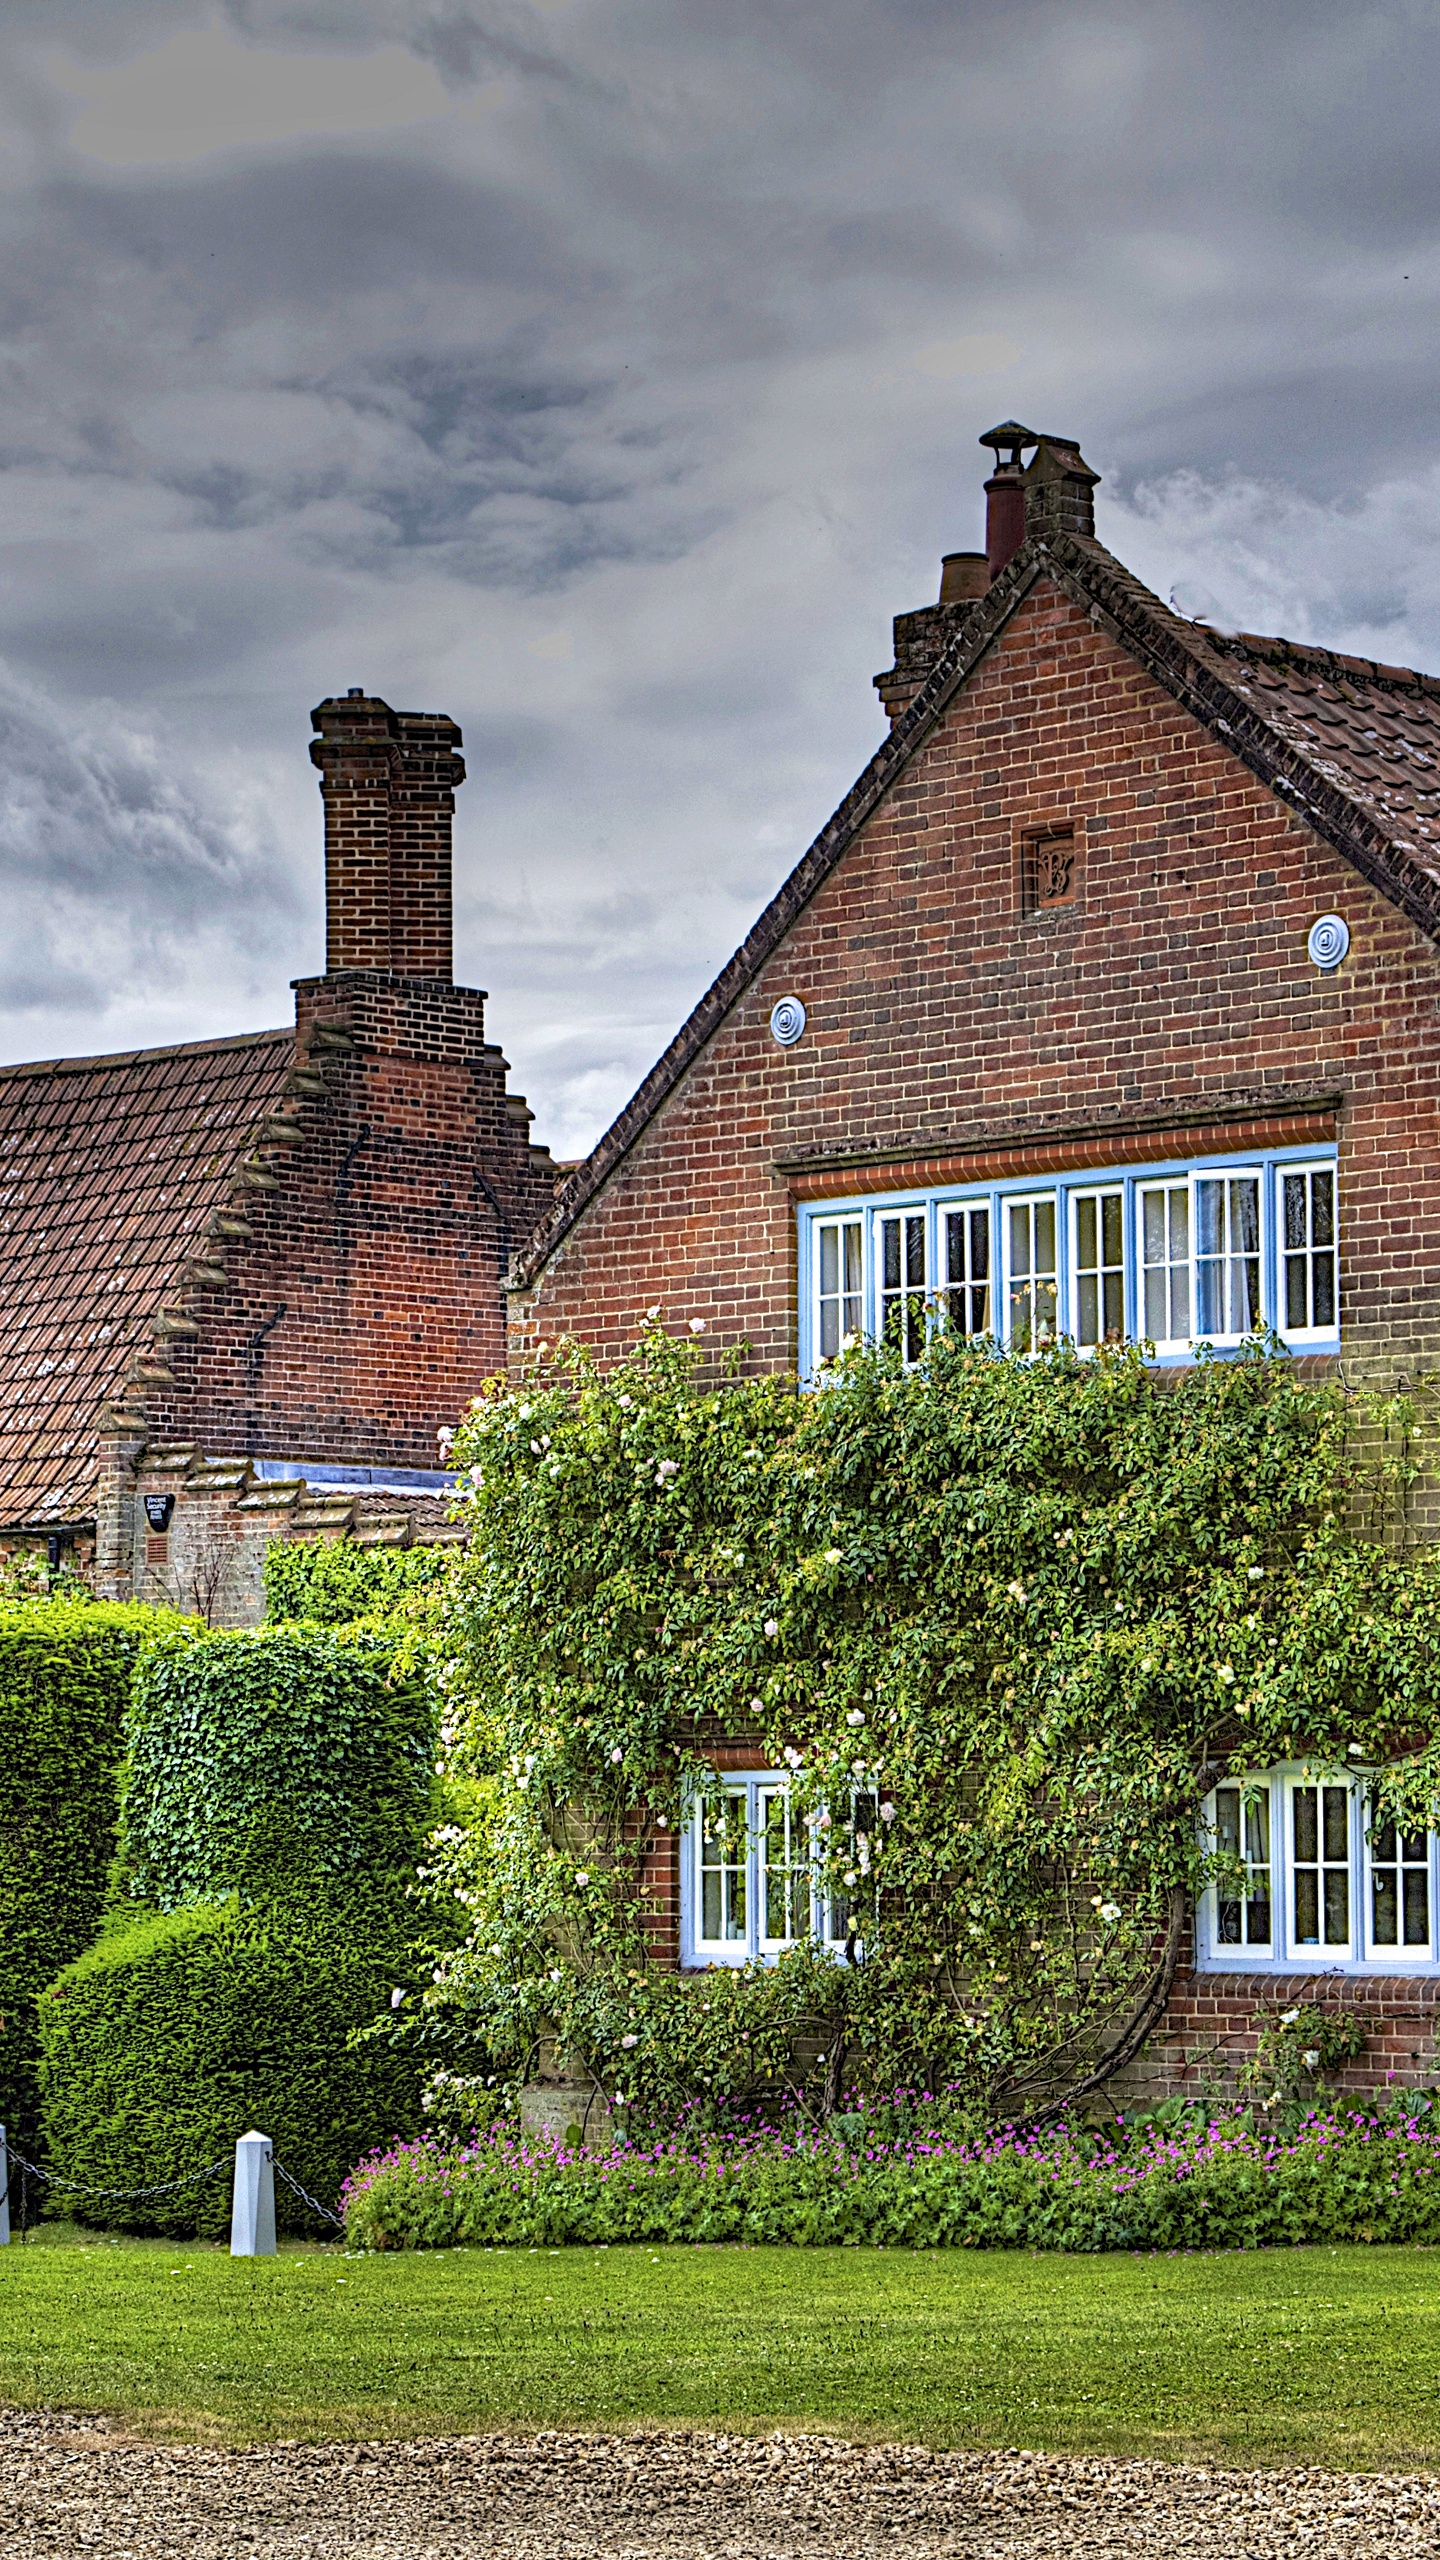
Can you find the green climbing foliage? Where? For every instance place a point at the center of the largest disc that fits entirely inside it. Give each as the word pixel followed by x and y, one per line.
pixel 332 1583
pixel 1005 1621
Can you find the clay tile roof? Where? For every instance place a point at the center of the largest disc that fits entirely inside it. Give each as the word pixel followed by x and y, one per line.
pixel 109 1171
pixel 1370 730
pixel 1351 745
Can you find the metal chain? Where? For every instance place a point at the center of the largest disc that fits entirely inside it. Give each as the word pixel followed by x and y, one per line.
pixel 76 2187
pixel 305 2196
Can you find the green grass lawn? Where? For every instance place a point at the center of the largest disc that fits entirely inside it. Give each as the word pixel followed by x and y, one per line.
pixel 1309 2355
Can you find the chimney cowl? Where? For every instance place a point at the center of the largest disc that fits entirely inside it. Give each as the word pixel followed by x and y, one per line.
pixel 1005 493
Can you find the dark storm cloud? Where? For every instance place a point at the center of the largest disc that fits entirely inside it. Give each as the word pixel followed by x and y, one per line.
pixel 607 372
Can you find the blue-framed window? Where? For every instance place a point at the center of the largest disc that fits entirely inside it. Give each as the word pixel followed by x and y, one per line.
pixel 748 1886
pixel 1175 1254
pixel 1316 1881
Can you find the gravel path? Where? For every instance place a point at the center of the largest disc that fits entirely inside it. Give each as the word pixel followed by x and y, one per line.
pixel 71 2485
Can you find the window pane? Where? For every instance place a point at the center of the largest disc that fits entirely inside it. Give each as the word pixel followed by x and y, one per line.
pixel 1297 1292
pixel 1295 1227
pixel 1322 1208
pixel 1209 1217
pixel 1337 1907
pixel 1152 1225
pixel 1227 1821
pixel 1337 1822
pixel 1257 1909
pixel 1307 1830
pixel 1087 1233
pixel 1087 1308
pixel 829 1260
pixel 1157 1324
pixel 1386 1916
pixel 1245 1217
pixel 1307 1909
pixel 722 1876
pixel 890 1259
pixel 1112 1226
pixel 1323 1274
pixel 1019 1239
pixel 1114 1306
pixel 1417 1907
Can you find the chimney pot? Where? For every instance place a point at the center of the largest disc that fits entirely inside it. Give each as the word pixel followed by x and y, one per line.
pixel 1005 493
pixel 964 577
pixel 356 693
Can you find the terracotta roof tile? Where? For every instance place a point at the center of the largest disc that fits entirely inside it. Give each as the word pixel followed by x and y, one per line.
pixel 109 1171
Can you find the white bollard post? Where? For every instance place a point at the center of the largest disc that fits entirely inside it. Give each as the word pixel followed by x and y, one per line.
pixel 4 2192
pixel 252 2215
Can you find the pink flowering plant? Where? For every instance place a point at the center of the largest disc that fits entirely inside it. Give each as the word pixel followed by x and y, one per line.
pixel 1004 1621
pixel 882 2175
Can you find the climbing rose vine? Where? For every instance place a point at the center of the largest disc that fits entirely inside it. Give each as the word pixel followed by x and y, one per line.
pixel 1005 1622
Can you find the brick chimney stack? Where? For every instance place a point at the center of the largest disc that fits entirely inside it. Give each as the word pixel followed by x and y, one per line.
pixel 388 779
pixel 1060 489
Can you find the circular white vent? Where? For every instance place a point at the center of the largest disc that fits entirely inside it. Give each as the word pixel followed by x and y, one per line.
pixel 787 1021
pixel 1329 941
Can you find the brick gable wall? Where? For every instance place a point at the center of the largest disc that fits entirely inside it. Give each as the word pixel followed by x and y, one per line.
pixel 1175 992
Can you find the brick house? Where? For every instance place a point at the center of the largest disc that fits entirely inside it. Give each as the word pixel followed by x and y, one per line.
pixel 245 1280
pixel 1105 1003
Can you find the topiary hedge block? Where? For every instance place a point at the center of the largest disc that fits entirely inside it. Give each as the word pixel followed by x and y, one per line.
pixel 182 2030
pixel 261 1755
pixel 65 1671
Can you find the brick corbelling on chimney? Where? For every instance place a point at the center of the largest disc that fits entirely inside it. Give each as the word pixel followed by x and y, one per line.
pixel 363 1309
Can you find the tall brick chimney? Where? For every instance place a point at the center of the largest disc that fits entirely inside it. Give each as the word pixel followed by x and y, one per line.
pixel 388 779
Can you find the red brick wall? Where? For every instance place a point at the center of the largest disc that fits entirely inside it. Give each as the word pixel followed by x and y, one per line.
pixel 1214 2022
pixel 383 1238
pixel 942 1023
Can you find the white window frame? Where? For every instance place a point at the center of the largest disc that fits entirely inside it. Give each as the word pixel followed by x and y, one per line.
pixel 931 1208
pixel 1098 1194
pixel 1287 1952
pixel 1302 1335
pixel 751 1790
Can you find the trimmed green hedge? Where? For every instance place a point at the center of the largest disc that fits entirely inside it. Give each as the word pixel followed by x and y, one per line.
pixel 263 1755
pixel 329 1585
pixel 65 1670
pixel 182 2030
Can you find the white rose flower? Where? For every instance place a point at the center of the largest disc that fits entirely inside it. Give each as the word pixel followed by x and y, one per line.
pixel 1288 2017
pixel 616 1757
pixel 832 1555
pixel 1109 1910
pixel 697 1324
pixel 1310 2059
pixel 772 1626
pixel 628 2041
pixel 1225 1673
pixel 856 1716
pixel 582 1875
pixel 396 1997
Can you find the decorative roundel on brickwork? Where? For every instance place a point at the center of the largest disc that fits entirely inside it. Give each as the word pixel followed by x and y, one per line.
pixel 787 1021
pixel 1329 941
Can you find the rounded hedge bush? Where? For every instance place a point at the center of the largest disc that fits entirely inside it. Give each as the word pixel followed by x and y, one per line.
pixel 65 1670
pixel 182 2030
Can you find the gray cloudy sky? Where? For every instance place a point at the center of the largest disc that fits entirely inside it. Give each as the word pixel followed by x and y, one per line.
pixel 606 373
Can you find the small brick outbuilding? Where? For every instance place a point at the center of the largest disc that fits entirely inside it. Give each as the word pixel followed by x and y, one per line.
pixel 244 1281
pixel 1108 1002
